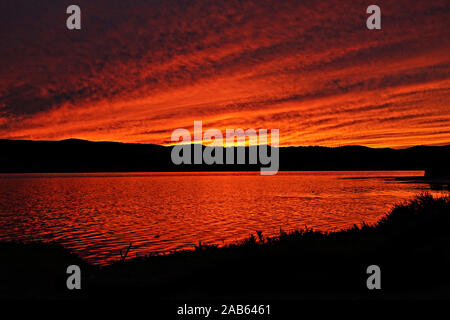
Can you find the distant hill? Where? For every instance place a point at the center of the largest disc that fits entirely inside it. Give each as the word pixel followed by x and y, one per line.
pixel 75 155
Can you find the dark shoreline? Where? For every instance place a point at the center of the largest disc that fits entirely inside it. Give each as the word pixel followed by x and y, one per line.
pixel 410 245
pixel 75 156
pixel 436 183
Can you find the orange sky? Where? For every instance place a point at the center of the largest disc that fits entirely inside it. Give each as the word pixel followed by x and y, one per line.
pixel 135 72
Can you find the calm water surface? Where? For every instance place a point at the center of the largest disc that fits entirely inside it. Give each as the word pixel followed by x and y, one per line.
pixel 98 214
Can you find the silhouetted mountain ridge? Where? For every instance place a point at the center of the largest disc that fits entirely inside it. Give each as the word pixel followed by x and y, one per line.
pixel 76 155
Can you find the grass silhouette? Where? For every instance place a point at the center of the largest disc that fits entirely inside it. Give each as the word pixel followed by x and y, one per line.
pixel 410 244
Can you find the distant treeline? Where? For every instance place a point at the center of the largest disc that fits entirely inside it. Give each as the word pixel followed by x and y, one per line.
pixel 84 156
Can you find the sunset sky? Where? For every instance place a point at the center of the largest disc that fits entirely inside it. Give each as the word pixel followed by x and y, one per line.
pixel 137 70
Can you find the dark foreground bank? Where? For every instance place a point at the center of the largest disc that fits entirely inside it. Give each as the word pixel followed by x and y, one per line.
pixel 410 245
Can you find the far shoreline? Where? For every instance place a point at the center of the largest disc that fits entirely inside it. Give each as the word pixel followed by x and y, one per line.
pixel 253 172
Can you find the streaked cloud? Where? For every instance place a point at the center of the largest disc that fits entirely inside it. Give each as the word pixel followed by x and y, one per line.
pixel 139 69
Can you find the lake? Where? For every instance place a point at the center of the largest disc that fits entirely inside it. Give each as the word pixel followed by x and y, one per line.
pixel 97 214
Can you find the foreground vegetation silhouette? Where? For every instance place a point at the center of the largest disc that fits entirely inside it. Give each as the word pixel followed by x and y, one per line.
pixel 409 244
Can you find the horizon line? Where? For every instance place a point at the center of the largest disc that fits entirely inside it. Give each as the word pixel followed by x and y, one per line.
pixel 447 144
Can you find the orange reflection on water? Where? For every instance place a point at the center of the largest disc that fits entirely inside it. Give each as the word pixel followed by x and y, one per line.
pixel 99 214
